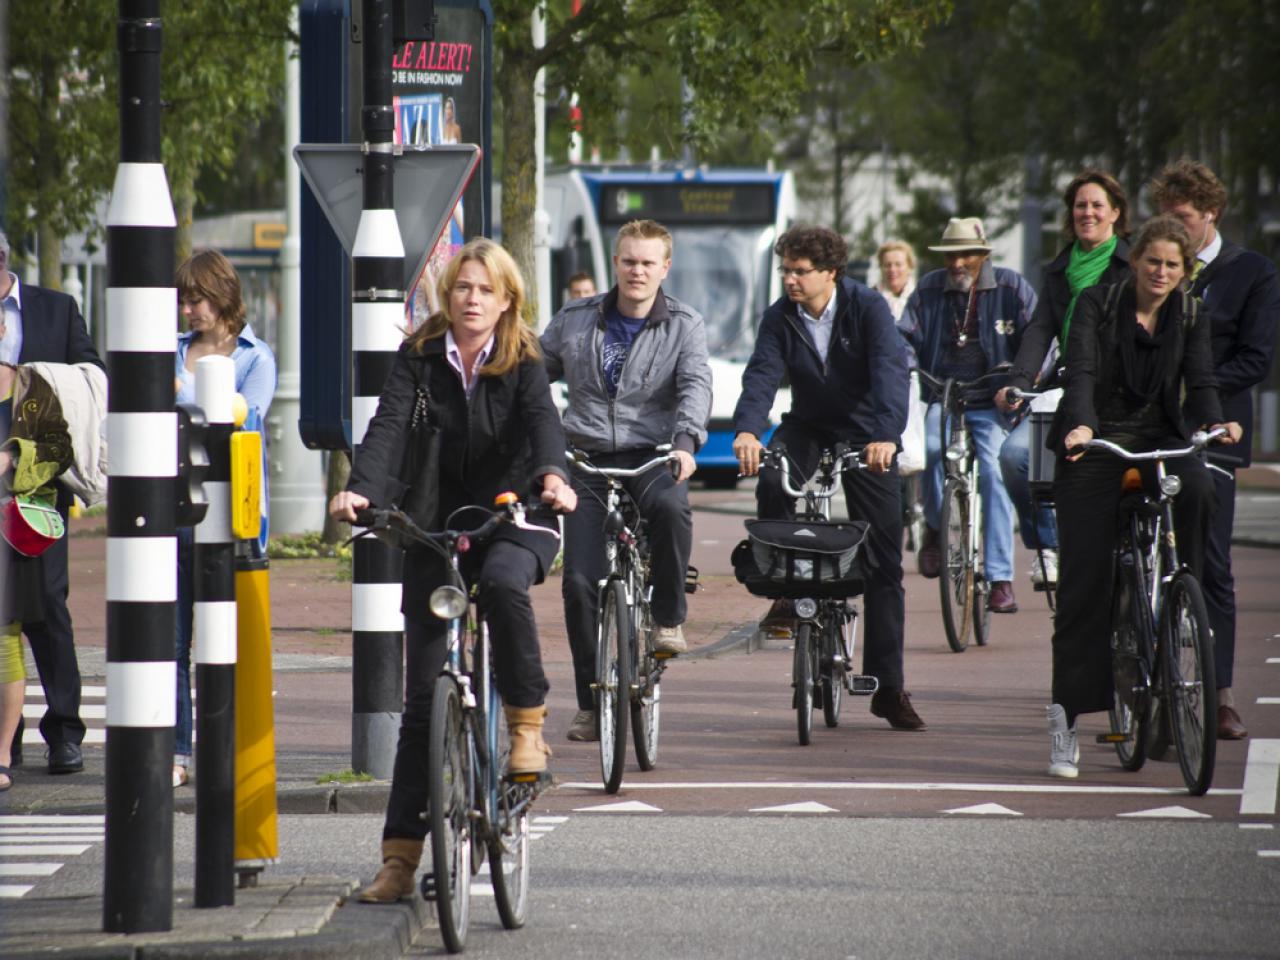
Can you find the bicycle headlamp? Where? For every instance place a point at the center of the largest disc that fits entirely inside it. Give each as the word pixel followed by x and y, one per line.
pixel 1170 485
pixel 448 602
pixel 806 608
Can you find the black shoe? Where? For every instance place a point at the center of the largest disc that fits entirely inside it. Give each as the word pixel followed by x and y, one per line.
pixel 895 706
pixel 65 758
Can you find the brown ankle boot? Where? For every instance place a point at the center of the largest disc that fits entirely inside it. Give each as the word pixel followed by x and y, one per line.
pixel 395 880
pixel 529 751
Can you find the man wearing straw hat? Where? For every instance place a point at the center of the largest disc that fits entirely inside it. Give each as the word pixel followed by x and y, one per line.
pixel 963 320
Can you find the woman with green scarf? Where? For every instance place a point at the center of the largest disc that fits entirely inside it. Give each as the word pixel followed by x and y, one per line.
pixel 1096 223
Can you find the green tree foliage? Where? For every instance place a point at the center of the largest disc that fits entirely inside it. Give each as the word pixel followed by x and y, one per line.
pixel 743 64
pixel 222 71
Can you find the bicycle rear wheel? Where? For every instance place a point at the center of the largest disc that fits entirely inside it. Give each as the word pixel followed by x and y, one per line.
pixel 802 680
pixel 956 583
pixel 613 683
pixel 1187 660
pixel 449 786
pixel 509 873
pixel 646 709
pixel 981 613
pixel 831 671
pixel 1132 640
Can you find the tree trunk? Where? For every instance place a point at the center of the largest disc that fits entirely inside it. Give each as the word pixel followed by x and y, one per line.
pixel 339 471
pixel 515 87
pixel 48 238
pixel 184 205
pixel 50 256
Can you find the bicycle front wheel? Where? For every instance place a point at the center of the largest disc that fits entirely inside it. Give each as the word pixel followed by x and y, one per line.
pixel 509 873
pixel 449 785
pixel 980 611
pixel 956 583
pixel 802 679
pixel 1189 683
pixel 1132 640
pixel 613 683
pixel 832 670
pixel 646 708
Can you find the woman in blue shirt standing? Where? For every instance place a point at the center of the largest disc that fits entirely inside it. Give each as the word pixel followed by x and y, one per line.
pixel 210 300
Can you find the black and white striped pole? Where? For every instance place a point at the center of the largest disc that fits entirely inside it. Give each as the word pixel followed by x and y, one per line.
pixel 215 642
pixel 142 580
pixel 377 321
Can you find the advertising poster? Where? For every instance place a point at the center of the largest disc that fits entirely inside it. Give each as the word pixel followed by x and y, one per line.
pixel 438 97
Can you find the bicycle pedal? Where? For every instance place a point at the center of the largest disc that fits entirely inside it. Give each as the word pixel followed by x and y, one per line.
pixel 664 654
pixel 862 686
pixel 530 777
pixel 1112 738
pixel 428 886
pixel 691 584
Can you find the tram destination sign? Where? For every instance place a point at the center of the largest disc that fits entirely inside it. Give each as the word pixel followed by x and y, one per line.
pixel 692 202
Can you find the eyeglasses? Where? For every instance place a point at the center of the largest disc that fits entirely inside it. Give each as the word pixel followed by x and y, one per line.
pixel 798 272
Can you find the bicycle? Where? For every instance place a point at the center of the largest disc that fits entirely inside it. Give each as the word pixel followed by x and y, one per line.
pixel 474 808
pixel 628 673
pixel 963 583
pixel 812 561
pixel 1161 645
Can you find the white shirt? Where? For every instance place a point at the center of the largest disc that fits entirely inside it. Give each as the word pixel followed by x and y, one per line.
pixel 1212 250
pixel 454 356
pixel 820 328
pixel 11 343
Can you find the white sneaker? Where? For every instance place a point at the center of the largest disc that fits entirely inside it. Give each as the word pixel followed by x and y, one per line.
pixel 583 728
pixel 1064 748
pixel 1049 574
pixel 669 640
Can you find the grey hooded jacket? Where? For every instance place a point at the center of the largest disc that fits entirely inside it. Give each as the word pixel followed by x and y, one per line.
pixel 664 392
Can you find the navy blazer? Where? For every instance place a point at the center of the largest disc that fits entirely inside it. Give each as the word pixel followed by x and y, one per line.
pixel 1240 294
pixel 859 394
pixel 53 330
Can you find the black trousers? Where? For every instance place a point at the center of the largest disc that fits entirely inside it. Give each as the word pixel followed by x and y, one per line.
pixel 53 647
pixel 875 498
pixel 664 504
pixel 1087 494
pixel 506 571
pixel 1218 581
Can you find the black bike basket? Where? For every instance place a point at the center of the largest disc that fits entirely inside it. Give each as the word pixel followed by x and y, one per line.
pixel 793 558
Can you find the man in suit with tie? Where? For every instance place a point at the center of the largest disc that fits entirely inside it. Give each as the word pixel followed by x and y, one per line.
pixel 1240 294
pixel 45 325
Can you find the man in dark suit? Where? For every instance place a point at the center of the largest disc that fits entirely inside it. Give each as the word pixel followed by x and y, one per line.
pixel 1240 293
pixel 44 325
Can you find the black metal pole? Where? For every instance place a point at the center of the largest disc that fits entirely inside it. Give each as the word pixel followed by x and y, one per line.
pixel 142 551
pixel 377 320
pixel 215 642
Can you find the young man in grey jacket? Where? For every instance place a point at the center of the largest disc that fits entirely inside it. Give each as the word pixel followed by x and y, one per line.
pixel 635 361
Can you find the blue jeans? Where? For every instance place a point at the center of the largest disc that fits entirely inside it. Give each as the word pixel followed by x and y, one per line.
pixel 182 642
pixel 1038 527
pixel 988 431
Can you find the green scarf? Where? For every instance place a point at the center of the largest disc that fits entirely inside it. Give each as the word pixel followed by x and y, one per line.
pixel 1083 271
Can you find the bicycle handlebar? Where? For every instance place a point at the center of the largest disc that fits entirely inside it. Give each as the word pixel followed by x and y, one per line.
pixel 1199 440
pixel 580 461
pixel 385 519
pixel 940 384
pixel 847 460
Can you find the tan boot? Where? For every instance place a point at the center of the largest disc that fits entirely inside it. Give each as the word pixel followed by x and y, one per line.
pixel 395 880
pixel 529 751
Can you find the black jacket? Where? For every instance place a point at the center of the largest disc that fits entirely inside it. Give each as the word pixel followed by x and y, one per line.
pixel 859 393
pixel 1051 310
pixel 53 330
pixel 1093 343
pixel 506 438
pixel 1240 293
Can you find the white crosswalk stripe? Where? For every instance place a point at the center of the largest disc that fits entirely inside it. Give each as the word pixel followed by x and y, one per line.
pixel 33 846
pixel 93 711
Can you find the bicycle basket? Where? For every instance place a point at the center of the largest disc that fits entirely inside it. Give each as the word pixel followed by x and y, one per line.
pixel 791 558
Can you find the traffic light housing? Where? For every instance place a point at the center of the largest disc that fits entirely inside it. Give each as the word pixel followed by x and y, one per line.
pixel 193 464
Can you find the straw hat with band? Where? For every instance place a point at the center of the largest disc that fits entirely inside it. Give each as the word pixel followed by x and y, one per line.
pixel 963 235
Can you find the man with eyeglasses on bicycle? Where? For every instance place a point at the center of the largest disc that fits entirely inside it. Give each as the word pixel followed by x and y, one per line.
pixel 963 320
pixel 636 364
pixel 834 339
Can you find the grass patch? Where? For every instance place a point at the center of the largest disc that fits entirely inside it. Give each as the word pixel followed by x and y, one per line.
pixel 345 776
pixel 304 546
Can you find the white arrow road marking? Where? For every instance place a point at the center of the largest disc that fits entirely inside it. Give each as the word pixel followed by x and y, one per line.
pixel 1268 701
pixel 1181 813
pixel 41 850
pixel 10 819
pixel 626 806
pixel 1269 853
pixel 1261 774
pixel 1257 826
pixel 1058 788
pixel 32 869
pixel 12 891
pixel 985 810
pixel 808 806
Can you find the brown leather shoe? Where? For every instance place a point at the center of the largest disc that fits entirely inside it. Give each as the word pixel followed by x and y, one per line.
pixel 1001 599
pixel 895 706
pixel 395 880
pixel 1230 727
pixel 782 613
pixel 929 559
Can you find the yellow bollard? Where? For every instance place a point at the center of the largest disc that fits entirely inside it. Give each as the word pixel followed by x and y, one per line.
pixel 257 839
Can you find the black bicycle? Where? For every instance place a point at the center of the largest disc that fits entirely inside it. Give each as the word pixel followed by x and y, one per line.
pixel 474 806
pixel 1161 645
pixel 814 563
pixel 628 668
